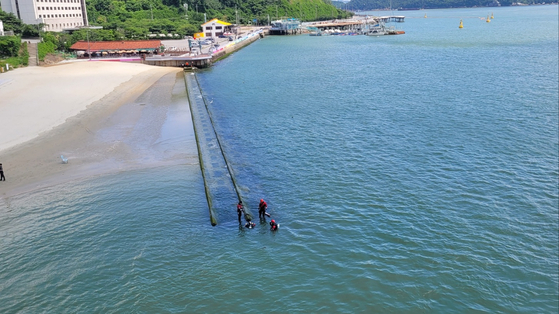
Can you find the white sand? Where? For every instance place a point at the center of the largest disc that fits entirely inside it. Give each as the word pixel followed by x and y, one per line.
pixel 104 116
pixel 36 99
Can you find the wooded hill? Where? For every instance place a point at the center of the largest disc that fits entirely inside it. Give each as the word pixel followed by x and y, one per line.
pixel 137 19
pixel 364 5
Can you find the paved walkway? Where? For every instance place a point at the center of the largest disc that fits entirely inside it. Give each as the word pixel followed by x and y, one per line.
pixel 33 54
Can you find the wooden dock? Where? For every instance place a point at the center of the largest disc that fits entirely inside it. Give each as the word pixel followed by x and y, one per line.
pixel 357 23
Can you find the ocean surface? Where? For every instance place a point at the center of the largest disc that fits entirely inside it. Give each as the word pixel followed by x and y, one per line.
pixel 409 174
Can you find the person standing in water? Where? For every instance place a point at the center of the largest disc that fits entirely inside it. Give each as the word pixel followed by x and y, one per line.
pixel 262 209
pixel 240 210
pixel 2 173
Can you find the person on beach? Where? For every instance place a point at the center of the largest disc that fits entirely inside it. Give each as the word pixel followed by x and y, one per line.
pixel 240 210
pixel 273 225
pixel 262 209
pixel 2 173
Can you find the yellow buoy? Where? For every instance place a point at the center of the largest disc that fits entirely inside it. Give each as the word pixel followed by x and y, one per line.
pixel 488 20
pixel 425 15
pixel 491 15
pixel 461 25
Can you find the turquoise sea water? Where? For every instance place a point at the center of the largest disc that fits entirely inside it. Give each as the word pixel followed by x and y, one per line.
pixel 412 173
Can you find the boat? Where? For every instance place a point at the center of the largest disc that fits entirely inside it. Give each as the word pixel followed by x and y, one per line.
pixel 319 34
pixel 393 31
pixel 376 30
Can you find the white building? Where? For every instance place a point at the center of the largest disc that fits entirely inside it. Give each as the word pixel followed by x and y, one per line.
pixel 56 15
pixel 1 28
pixel 214 28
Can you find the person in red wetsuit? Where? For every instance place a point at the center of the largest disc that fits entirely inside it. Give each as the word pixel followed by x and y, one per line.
pixel 262 209
pixel 240 210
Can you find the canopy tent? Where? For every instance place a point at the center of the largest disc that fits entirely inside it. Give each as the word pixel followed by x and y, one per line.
pixel 117 46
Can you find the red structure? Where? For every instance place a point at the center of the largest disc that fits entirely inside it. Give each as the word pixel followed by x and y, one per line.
pixel 117 48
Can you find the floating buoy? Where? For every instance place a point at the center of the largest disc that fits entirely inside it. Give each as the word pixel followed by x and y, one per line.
pixel 425 15
pixel 491 15
pixel 488 20
pixel 461 25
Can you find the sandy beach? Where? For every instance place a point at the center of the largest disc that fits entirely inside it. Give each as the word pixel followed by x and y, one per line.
pixel 105 117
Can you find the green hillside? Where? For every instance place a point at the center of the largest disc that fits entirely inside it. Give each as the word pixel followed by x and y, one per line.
pixel 138 18
pixel 424 4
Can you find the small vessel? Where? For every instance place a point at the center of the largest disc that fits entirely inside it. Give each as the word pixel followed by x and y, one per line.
pixel 393 31
pixel 376 30
pixel 461 25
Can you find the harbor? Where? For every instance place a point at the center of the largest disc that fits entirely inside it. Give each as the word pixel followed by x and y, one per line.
pixel 202 51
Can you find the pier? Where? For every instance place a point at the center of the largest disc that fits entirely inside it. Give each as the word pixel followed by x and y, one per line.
pixel 392 18
pixel 356 24
pixel 203 58
pixel 286 27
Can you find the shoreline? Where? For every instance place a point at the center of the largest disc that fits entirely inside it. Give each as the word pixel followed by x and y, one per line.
pixel 107 118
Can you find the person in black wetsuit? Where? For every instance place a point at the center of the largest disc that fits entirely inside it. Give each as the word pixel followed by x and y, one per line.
pixel 240 210
pixel 250 224
pixel 2 173
pixel 273 225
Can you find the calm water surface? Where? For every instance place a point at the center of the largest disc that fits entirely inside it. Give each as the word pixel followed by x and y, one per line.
pixel 413 173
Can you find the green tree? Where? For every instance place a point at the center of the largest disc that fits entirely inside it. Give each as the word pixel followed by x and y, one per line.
pixel 9 46
pixel 11 22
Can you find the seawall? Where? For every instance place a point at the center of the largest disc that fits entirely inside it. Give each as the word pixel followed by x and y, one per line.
pixel 237 44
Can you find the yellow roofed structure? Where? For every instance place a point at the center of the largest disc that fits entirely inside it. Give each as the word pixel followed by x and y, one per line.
pixel 214 28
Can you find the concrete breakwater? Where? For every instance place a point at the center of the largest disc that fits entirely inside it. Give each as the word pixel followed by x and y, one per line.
pixel 221 188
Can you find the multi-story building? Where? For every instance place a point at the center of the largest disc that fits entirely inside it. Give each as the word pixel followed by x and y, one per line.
pixel 55 15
